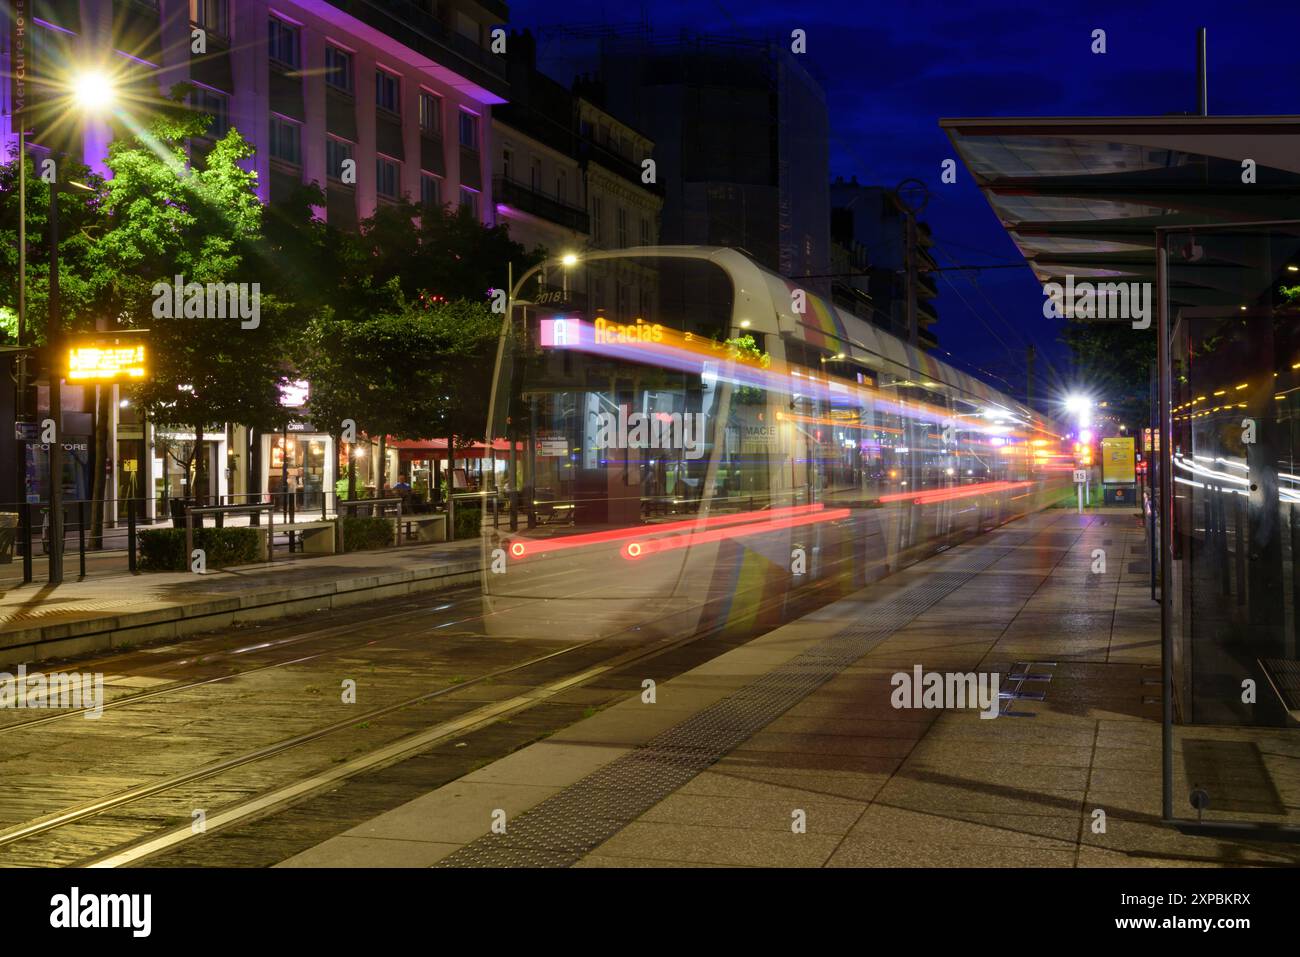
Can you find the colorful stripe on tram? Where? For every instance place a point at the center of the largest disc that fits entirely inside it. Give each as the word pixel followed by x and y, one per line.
pixel 758 586
pixel 820 324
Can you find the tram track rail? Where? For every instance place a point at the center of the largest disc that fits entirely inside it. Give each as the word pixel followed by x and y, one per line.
pixel 473 719
pixel 389 752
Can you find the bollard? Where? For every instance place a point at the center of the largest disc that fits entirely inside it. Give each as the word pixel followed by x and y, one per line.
pixel 130 535
pixel 26 511
pixel 81 537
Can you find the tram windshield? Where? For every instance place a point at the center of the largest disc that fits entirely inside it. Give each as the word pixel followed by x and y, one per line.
pixel 618 394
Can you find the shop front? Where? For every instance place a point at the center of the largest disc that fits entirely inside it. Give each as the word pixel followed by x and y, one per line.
pixel 175 465
pixel 302 462
pixel 432 473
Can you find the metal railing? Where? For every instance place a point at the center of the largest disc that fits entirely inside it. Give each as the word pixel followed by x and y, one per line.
pixel 221 511
pixel 531 199
pixel 115 532
pixel 353 504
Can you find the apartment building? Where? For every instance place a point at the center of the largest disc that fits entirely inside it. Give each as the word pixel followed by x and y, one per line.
pixel 569 174
pixel 371 99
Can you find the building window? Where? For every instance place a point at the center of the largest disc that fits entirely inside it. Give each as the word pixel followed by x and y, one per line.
pixel 597 217
pixel 337 152
pixel 535 174
pixel 217 106
pixel 621 219
pixel 388 176
pixel 387 91
pixel 645 231
pixel 469 200
pixel 430 189
pixel 282 42
pixel 211 15
pixel 338 68
pixel 507 162
pixel 561 187
pixel 286 140
pixel 468 27
pixel 468 130
pixel 430 113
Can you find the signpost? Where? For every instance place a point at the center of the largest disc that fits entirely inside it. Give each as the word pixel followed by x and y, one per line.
pixel 1080 480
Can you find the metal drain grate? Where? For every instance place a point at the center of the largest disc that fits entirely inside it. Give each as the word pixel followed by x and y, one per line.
pixel 564 828
pixel 1021 672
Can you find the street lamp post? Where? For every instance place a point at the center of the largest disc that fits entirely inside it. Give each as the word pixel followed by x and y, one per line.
pixel 56 396
pixel 91 92
pixel 1080 406
pixel 21 358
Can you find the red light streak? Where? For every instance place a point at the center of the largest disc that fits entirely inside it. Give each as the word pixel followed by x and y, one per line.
pixel 946 494
pixel 635 550
pixel 519 548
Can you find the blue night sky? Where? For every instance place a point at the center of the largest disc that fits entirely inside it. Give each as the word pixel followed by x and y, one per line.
pixel 890 71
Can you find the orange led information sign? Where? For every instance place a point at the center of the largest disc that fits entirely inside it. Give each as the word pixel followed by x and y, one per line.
pixel 106 363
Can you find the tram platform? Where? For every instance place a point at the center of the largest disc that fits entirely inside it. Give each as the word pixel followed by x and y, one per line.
pixel 39 621
pixel 789 750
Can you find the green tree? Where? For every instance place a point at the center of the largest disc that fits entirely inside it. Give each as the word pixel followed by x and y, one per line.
pixel 1114 360
pixel 404 345
pixel 81 224
pixel 203 223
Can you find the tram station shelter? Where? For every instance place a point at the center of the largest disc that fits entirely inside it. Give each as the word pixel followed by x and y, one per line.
pixel 1206 209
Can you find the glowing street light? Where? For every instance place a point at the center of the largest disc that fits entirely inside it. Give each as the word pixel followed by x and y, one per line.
pixel 1079 406
pixel 568 260
pixel 93 91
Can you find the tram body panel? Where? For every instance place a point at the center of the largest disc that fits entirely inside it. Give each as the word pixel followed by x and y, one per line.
pixel 671 476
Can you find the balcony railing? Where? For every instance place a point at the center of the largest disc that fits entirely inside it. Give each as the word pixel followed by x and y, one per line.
pixel 593 152
pixel 407 22
pixel 524 197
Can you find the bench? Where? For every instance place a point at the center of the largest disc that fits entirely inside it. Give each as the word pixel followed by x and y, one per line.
pixel 317 537
pixel 424 527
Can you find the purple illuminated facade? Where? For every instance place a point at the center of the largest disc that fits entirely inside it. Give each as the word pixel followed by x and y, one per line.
pixel 402 90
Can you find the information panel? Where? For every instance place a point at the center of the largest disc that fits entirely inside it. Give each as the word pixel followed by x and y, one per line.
pixel 1117 461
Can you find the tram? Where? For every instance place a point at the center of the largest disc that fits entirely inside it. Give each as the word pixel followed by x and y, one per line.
pixel 696 443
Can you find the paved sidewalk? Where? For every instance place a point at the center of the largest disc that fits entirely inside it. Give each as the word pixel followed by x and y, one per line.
pixel 39 621
pixel 689 781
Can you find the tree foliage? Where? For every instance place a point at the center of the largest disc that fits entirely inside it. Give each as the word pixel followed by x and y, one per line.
pixel 1115 360
pixel 406 342
pixel 203 224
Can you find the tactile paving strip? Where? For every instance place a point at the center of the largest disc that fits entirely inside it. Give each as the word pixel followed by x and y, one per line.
pixel 566 827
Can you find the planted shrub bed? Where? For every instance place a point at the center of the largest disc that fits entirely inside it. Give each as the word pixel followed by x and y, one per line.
pixel 163 549
pixel 468 521
pixel 363 534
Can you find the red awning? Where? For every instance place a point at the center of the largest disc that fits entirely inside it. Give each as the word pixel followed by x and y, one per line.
pixel 437 448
